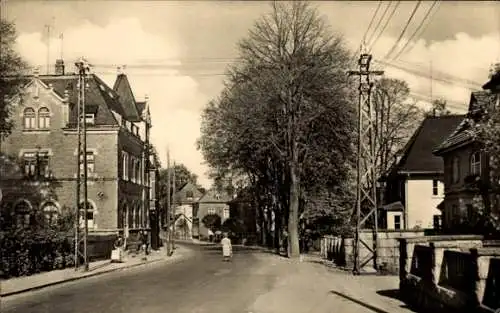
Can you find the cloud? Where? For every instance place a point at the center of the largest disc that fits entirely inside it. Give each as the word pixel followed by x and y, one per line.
pixel 462 59
pixel 176 101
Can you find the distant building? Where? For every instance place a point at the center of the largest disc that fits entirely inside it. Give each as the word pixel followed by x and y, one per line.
pixel 464 161
pixel 44 140
pixel 414 185
pixel 212 202
pixel 185 200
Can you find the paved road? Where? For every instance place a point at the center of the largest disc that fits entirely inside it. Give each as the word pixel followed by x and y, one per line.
pixel 201 283
pixel 254 282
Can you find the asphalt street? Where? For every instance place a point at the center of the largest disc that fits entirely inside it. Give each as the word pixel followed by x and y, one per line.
pixel 254 282
pixel 201 283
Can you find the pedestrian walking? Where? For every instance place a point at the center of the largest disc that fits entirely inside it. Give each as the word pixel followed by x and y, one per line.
pixel 227 248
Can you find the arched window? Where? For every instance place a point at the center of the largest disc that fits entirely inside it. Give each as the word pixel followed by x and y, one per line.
pixel 23 211
pixel 43 118
pixel 50 212
pixel 475 163
pixel 90 215
pixel 29 117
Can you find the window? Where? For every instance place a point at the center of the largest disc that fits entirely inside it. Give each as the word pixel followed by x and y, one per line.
pixel 29 160
pixel 470 211
pixel 455 174
pixel 23 213
pixel 211 211
pixel 36 164
pixel 436 221
pixel 138 171
pixel 29 118
pixel 50 212
pixel 43 118
pixel 226 213
pixel 397 222
pixel 475 163
pixel 132 170
pixel 90 163
pixel 90 215
pixel 434 187
pixel 90 118
pixel 125 165
pixel 189 194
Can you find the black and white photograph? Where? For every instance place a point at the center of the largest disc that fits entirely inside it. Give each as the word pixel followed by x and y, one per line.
pixel 221 156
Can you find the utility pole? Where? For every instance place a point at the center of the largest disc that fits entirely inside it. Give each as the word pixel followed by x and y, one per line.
pixel 81 237
pixel 169 213
pixel 173 207
pixel 366 195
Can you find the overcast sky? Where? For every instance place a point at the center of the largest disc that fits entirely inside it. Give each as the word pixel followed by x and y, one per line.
pixel 195 40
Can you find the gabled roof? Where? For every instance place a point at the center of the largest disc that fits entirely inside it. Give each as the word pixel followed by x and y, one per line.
pixel 212 196
pixel 417 155
pixel 129 105
pixel 463 133
pixel 100 99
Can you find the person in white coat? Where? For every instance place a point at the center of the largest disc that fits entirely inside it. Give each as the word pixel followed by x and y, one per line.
pixel 227 248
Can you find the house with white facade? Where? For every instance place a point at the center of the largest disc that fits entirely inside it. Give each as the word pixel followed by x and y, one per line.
pixel 414 185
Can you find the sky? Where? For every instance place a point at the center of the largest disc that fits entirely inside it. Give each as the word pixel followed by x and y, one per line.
pixel 194 41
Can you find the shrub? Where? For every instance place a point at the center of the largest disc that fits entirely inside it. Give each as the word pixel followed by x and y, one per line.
pixel 40 247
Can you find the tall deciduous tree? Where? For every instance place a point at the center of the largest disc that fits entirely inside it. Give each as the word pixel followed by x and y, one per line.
pixel 11 70
pixel 396 120
pixel 286 116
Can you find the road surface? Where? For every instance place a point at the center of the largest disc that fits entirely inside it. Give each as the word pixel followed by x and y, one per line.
pixel 254 282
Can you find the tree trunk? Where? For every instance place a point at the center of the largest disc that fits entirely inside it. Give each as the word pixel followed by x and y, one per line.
pixel 293 217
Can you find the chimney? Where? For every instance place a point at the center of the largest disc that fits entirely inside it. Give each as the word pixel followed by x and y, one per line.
pixel 59 67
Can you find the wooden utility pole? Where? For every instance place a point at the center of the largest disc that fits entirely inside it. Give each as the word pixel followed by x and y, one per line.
pixel 169 211
pixel 173 207
pixel 366 196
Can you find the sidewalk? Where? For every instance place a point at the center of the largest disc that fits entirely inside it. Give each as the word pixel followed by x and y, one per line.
pixel 19 285
pixel 307 286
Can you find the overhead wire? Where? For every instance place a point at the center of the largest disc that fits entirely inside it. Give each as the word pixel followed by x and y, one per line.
pixel 404 30
pixel 422 23
pixel 363 41
pixel 385 26
pixel 379 23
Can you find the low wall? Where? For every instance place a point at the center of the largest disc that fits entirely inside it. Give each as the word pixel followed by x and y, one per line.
pixel 341 250
pixel 450 274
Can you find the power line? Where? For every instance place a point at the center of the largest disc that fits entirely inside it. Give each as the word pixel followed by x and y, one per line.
pixel 371 22
pixel 385 25
pixel 422 23
pixel 404 30
pixel 380 21
pixel 442 77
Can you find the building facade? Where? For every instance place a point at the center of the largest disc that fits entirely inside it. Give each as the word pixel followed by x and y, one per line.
pixel 465 162
pixel 212 202
pixel 44 141
pixel 414 185
pixel 186 198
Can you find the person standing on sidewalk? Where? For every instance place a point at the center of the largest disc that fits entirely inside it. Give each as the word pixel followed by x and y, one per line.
pixel 227 248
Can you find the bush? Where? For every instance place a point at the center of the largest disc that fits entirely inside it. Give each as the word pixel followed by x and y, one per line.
pixel 35 249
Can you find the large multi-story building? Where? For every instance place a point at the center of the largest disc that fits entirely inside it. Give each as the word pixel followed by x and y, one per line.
pixel 44 140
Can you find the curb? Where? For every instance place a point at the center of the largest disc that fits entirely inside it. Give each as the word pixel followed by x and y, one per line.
pixel 60 282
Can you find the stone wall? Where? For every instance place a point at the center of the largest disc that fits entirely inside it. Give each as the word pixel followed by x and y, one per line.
pixel 341 250
pixel 458 277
